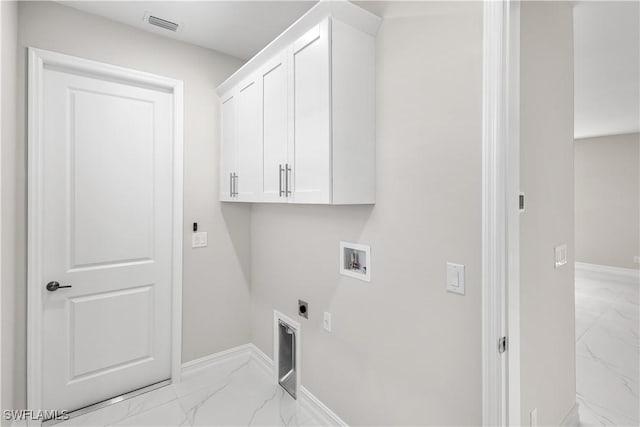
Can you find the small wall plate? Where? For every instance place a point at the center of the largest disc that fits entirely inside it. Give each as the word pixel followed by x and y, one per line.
pixel 303 309
pixel 560 254
pixel 355 261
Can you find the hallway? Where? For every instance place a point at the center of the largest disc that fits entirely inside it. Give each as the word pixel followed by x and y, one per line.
pixel 607 350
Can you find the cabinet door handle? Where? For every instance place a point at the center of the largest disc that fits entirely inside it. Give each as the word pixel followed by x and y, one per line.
pixel 287 173
pixel 230 184
pixel 280 170
pixel 235 184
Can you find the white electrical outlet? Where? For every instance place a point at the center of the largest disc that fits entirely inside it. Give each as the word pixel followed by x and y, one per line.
pixel 327 321
pixel 560 253
pixel 199 239
pixel 636 259
pixel 533 418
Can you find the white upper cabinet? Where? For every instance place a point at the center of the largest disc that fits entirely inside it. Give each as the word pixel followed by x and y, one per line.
pixel 241 142
pixel 310 90
pixel 275 135
pixel 249 141
pixel 228 146
pixel 298 119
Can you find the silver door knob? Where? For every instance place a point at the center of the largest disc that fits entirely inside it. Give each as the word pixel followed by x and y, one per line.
pixel 54 286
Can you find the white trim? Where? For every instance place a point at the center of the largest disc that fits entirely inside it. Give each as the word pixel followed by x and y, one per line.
pixel 277 316
pixel 34 234
pixel 177 235
pixel 38 58
pixel 305 398
pixel 512 328
pixel 344 11
pixel 319 410
pixel 241 351
pixel 2 143
pixel 576 139
pixel 495 156
pixel 615 273
pixel 573 417
pixel 262 360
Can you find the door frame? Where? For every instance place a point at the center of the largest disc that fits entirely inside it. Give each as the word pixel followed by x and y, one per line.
pixel 39 60
pixel 1 246
pixel 500 213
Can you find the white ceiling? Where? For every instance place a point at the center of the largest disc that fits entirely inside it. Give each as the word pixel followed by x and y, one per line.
pixel 606 43
pixel 237 28
pixel 607 68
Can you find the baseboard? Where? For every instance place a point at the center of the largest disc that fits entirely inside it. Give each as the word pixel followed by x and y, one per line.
pixel 245 350
pixel 573 417
pixel 616 273
pixel 306 398
pixel 319 409
pixel 262 360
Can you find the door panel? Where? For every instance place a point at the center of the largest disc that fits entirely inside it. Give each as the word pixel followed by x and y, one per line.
pixel 274 126
pixel 107 232
pixel 311 117
pixel 122 153
pixel 228 147
pixel 248 151
pixel 93 354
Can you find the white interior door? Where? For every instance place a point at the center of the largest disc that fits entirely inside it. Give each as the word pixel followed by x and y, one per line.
pixel 311 117
pixel 273 79
pixel 106 232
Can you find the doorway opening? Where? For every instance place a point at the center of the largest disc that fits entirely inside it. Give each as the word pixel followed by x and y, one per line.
pixel 607 211
pixel 118 293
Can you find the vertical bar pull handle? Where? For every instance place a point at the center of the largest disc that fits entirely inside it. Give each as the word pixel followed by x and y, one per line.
pixel 287 181
pixel 235 184
pixel 230 184
pixel 280 170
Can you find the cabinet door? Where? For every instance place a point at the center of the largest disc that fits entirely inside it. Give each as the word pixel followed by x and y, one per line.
pixel 310 70
pixel 248 142
pixel 273 79
pixel 227 147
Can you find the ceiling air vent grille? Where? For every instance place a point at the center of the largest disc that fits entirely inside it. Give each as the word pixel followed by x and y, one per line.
pixel 162 23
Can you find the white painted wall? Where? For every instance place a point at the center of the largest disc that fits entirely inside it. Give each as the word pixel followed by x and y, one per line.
pixel 608 200
pixel 403 351
pixel 216 279
pixel 607 67
pixel 546 138
pixel 8 64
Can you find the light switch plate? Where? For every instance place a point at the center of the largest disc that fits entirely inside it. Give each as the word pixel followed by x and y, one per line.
pixel 199 239
pixel 636 259
pixel 327 321
pixel 455 278
pixel 560 253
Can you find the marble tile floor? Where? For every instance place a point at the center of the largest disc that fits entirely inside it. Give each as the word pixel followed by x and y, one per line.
pixel 607 350
pixel 242 393
pixel 232 394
